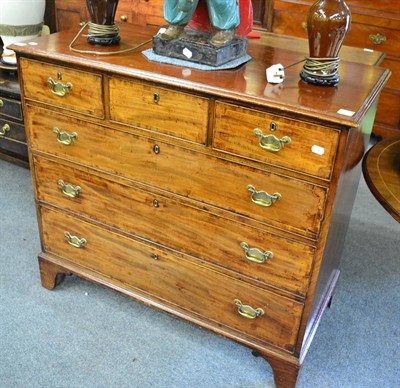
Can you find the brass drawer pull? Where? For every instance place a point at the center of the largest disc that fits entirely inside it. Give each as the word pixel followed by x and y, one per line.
pixel 1 103
pixel 5 128
pixel 271 142
pixel 59 88
pixel 262 198
pixel 377 39
pixel 64 137
pixel 69 190
pixel 123 18
pixel 256 255
pixel 248 311
pixel 75 241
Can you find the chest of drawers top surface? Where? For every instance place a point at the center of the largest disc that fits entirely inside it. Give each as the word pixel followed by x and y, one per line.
pixel 247 83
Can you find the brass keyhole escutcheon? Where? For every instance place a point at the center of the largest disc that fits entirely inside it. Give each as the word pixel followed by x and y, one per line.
pixel 156 98
pixel 156 149
pixel 155 203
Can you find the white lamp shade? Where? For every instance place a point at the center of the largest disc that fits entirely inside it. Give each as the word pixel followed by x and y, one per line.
pixel 20 20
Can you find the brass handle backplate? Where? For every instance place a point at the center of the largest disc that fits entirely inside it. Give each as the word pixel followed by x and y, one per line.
pixel 256 255
pixel 75 241
pixel 64 137
pixel 248 311
pixel 5 128
pixel 262 198
pixel 59 88
pixel 271 142
pixel 377 39
pixel 69 190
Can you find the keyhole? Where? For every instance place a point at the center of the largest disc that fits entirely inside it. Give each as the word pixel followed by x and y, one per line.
pixel 155 203
pixel 156 149
pixel 59 75
pixel 156 98
pixel 272 126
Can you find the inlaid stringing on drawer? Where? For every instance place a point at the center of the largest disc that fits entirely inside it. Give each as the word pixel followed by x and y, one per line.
pixel 271 259
pixel 198 290
pixel 271 199
pixel 271 139
pixel 158 109
pixel 63 87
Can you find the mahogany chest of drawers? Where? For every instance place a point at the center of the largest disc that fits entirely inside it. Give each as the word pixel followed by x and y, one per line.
pixel 214 196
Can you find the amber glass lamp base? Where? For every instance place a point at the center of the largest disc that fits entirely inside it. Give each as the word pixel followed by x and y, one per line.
pixel 327 25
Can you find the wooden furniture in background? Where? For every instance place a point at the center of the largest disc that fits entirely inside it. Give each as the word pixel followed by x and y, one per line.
pixel 220 198
pixel 12 133
pixel 375 26
pixel 381 168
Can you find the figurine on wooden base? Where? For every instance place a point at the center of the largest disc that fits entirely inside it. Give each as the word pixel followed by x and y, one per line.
pixel 211 32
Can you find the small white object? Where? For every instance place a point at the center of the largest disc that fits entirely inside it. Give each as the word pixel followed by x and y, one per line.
pixel 186 72
pixel 187 53
pixel 369 50
pixel 316 149
pixel 86 293
pixel 161 30
pixel 345 112
pixel 275 74
pixel 32 44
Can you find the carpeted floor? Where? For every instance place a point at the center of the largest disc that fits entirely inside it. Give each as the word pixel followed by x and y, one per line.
pixel 83 335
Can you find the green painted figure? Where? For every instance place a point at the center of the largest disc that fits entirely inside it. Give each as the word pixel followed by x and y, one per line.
pixel 223 14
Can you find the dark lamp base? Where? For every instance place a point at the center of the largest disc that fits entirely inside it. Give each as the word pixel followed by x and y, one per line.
pixel 108 40
pixel 314 79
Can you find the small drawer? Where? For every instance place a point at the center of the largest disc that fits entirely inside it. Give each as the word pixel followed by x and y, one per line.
pixel 248 251
pixel 168 280
pixel 12 131
pixel 270 139
pixel 157 109
pixel 271 199
pixel 10 108
pixel 63 87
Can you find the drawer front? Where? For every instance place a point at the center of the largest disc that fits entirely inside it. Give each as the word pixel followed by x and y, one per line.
pixel 275 140
pixel 73 89
pixel 10 108
pixel 158 109
pixel 12 131
pixel 266 257
pixel 229 186
pixel 170 280
pixel 374 37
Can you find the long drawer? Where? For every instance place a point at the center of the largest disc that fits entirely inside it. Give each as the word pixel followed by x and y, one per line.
pixel 271 199
pixel 273 319
pixel 263 256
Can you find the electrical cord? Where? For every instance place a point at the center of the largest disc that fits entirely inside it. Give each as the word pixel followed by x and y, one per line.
pixel 98 30
pixel 320 64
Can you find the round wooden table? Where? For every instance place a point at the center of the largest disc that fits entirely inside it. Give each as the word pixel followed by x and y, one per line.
pixel 381 169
